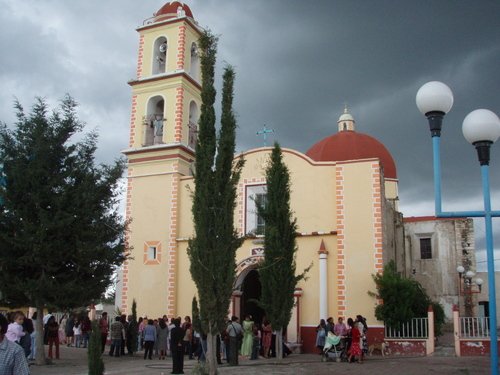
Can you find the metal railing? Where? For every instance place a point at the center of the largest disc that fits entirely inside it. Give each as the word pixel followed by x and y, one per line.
pixel 474 327
pixel 417 328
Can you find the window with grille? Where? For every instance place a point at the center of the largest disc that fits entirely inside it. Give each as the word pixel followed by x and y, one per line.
pixel 425 248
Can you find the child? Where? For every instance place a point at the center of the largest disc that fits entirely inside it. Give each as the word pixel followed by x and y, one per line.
pixel 77 331
pixel 15 329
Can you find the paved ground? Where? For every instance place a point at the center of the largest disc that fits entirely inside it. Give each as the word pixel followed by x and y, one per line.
pixel 74 362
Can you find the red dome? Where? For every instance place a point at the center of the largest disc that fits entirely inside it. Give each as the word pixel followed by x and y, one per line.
pixel 350 145
pixel 169 10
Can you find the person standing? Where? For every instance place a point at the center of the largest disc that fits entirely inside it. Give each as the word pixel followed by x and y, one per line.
pixel 140 333
pixel 149 339
pixel 340 329
pixel 355 348
pixel 62 329
pixel 177 347
pixel 86 328
pixel 162 338
pixel 267 333
pixel 70 334
pixel 12 358
pixel 235 332
pixel 329 325
pixel 25 341
pixel 246 346
pixel 53 336
pixel 124 322
pixel 33 337
pixel 117 333
pixel 77 332
pixel 321 335
pixel 104 327
pixel 170 328
pixel 132 332
pixel 188 336
pixel 256 342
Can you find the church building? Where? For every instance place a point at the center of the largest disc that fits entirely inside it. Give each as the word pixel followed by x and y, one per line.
pixel 344 193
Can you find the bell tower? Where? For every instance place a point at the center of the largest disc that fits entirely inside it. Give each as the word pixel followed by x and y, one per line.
pixel 163 127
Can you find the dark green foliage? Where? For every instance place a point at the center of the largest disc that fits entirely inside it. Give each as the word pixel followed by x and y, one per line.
pixel 61 235
pixel 213 248
pixel 195 313
pixel 403 299
pixel 133 328
pixel 277 271
pixel 439 318
pixel 94 355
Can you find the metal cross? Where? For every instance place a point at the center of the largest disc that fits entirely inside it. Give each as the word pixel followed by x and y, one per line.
pixel 264 132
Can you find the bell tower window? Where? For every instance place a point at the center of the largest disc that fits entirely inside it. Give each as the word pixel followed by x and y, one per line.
pixel 154 121
pixel 195 62
pixel 160 55
pixel 193 125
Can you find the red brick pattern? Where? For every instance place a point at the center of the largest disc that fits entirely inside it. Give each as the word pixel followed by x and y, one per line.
pixel 341 274
pixel 128 215
pixel 172 248
pixel 140 57
pixel 179 105
pixel 181 47
pixel 133 120
pixel 377 217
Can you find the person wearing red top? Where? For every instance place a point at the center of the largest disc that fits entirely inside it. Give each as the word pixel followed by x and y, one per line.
pixel 104 327
pixel 355 349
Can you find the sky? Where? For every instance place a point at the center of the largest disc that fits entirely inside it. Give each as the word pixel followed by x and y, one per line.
pixel 298 63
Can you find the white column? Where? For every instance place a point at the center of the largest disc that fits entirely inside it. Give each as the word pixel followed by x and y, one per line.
pixel 431 337
pixel 323 284
pixel 456 330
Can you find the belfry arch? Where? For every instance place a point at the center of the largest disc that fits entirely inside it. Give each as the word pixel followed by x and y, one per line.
pixel 159 61
pixel 154 121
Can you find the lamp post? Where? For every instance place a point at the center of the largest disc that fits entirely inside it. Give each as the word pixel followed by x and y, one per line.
pixel 481 128
pixel 466 288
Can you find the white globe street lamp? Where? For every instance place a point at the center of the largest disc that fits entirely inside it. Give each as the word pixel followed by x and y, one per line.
pixel 481 128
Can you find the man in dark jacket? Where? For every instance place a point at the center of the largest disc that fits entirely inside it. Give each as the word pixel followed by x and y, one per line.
pixel 176 336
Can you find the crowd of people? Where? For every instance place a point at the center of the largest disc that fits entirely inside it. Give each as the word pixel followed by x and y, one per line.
pixel 353 335
pixel 157 338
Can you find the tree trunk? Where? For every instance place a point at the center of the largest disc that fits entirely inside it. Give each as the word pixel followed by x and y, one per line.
pixel 40 348
pixel 279 345
pixel 211 354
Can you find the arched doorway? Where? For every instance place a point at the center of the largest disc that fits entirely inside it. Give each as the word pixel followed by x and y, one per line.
pixel 251 292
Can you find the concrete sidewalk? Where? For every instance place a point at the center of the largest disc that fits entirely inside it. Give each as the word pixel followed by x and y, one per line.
pixel 74 362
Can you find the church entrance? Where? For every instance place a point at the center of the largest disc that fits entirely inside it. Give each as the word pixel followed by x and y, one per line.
pixel 251 288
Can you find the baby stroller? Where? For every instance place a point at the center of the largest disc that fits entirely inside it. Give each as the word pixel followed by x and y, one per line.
pixel 334 348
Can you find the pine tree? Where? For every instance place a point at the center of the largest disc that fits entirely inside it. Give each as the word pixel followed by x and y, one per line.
pixel 277 271
pixel 212 250
pixel 94 354
pixel 61 235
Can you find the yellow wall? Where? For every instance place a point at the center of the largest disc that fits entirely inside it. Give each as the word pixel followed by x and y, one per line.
pixel 313 203
pixel 359 238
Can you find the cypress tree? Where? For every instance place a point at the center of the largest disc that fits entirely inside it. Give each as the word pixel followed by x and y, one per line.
pixel 277 271
pixel 133 328
pixel 94 354
pixel 212 250
pixel 195 313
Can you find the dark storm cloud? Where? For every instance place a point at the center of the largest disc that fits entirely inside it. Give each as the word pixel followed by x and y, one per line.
pixel 297 63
